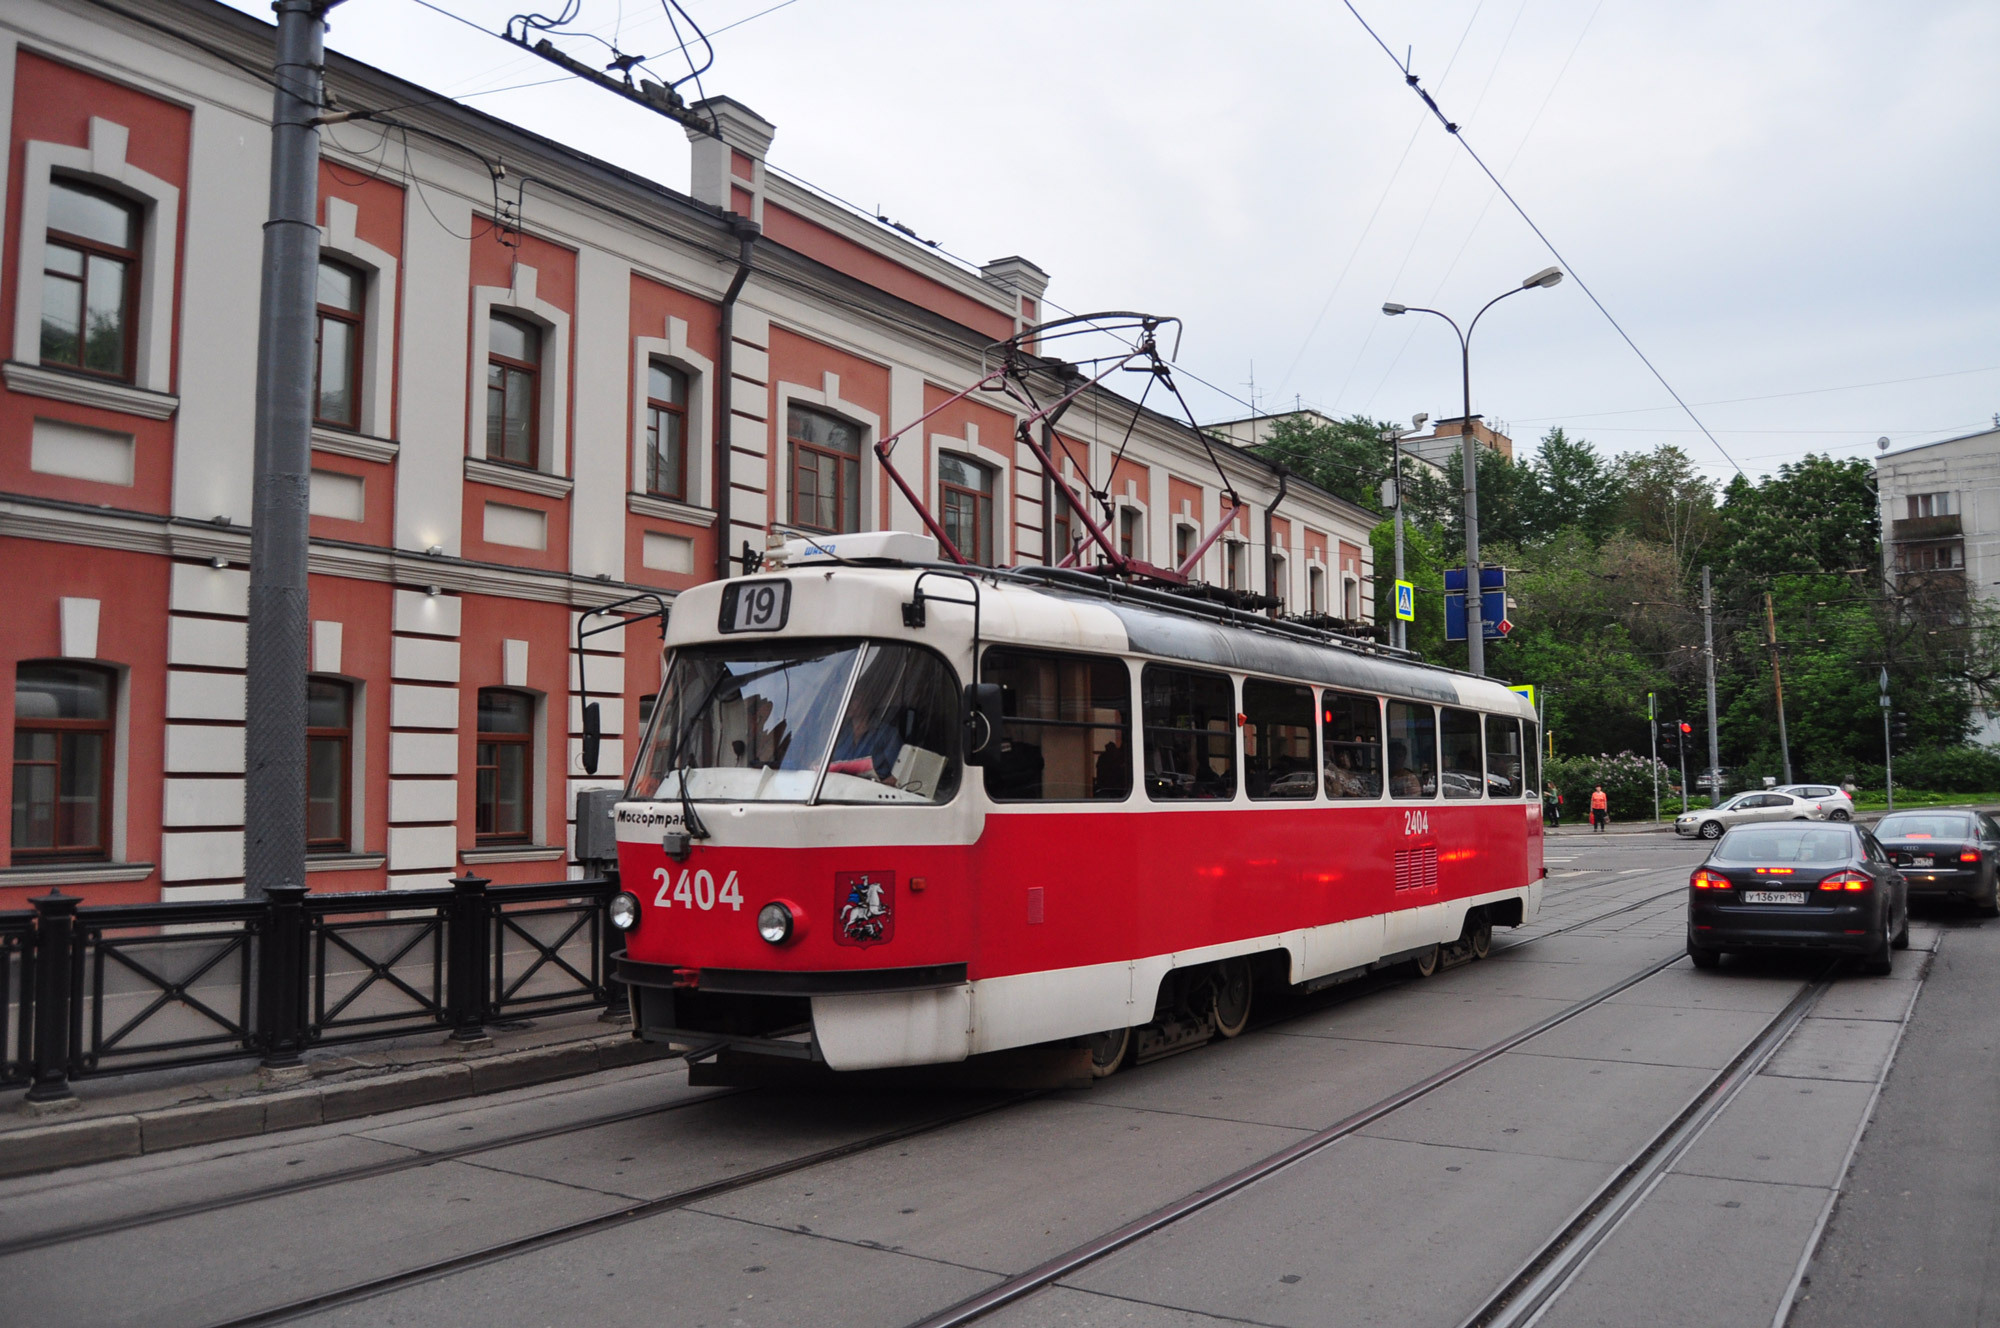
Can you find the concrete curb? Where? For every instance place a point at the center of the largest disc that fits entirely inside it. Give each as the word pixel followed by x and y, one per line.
pixel 70 1143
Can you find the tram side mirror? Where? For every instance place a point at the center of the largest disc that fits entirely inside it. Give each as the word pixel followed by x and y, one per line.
pixel 979 718
pixel 593 736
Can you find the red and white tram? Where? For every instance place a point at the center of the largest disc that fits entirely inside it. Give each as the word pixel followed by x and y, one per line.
pixel 835 849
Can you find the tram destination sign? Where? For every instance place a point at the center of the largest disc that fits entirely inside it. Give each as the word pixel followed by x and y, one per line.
pixel 755 606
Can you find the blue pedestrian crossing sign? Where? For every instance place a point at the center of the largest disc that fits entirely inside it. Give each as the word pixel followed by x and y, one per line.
pixel 1527 690
pixel 1406 601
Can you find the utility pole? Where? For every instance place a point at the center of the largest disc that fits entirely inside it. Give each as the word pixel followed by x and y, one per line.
pixel 1394 436
pixel 1708 665
pixel 1681 741
pixel 1778 685
pixel 1888 757
pixel 1653 732
pixel 274 793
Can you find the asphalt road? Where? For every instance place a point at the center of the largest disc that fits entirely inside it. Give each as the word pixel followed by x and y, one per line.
pixel 1671 1149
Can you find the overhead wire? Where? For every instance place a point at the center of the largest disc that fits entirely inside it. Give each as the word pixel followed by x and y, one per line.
pixel 1455 131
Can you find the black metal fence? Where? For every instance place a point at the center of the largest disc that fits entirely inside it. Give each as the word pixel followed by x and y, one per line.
pixel 121 987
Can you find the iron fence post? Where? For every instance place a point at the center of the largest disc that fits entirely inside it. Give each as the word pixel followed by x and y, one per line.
pixel 469 958
pixel 54 958
pixel 282 970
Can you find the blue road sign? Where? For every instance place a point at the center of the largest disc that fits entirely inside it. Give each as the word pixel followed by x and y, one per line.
pixel 1490 578
pixel 1492 612
pixel 1406 601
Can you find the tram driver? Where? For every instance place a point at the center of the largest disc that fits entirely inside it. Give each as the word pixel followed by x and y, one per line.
pixel 867 747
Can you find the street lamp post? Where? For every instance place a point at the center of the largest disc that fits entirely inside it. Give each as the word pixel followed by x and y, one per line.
pixel 1475 628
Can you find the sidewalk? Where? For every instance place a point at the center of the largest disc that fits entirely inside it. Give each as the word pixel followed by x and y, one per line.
pixel 148 1112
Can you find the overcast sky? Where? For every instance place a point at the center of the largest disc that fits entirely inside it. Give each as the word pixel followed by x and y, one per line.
pixel 1786 201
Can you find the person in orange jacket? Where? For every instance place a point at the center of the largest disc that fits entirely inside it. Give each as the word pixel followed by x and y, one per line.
pixel 1600 809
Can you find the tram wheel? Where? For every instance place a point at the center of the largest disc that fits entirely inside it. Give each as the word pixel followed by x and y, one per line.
pixel 1426 961
pixel 1479 935
pixel 1107 1051
pixel 1232 997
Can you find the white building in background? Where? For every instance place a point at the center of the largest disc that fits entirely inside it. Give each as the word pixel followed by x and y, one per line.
pixel 1940 505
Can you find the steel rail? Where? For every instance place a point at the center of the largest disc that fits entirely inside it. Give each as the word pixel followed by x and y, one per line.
pixel 1062 1265
pixel 1555 1265
pixel 218 1203
pixel 619 1217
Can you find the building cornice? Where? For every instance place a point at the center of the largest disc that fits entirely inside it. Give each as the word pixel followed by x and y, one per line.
pixel 360 446
pixel 83 390
pixel 666 509
pixel 518 478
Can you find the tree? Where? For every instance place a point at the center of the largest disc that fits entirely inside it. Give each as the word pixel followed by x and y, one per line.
pixel 1668 502
pixel 1578 489
pixel 1345 457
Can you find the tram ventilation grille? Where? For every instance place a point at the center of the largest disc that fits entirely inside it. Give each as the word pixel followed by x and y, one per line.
pixel 1417 868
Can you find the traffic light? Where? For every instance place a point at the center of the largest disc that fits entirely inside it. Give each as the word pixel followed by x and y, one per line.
pixel 1686 728
pixel 1899 726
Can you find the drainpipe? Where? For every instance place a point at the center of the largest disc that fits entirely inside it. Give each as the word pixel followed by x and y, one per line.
pixel 747 232
pixel 1270 554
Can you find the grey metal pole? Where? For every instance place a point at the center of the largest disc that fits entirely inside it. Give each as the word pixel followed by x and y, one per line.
pixel 1475 628
pixel 1888 757
pixel 1402 628
pixel 1680 741
pixel 274 792
pixel 1708 664
pixel 1653 732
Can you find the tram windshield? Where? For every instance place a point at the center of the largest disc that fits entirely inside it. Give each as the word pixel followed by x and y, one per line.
pixel 836 721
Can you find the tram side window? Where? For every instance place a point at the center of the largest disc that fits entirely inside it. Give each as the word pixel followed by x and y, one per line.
pixel 1531 742
pixel 898 730
pixel 1277 739
pixel 1190 721
pixel 1503 757
pixel 1464 771
pixel 1068 730
pixel 1351 732
pixel 1412 750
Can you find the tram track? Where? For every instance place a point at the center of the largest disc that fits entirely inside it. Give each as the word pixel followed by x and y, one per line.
pixel 641 1210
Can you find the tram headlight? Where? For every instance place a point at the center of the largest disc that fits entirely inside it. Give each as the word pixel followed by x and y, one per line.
pixel 774 923
pixel 624 910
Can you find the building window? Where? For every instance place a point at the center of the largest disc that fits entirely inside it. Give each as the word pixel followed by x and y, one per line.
pixel 1350 595
pixel 62 762
pixel 1184 537
pixel 513 392
pixel 1280 587
pixel 337 338
pixel 966 488
pixel 505 765
pixel 666 432
pixel 1129 543
pixel 1233 559
pixel 1315 590
pixel 1933 557
pixel 1930 504
pixel 826 471
pixel 90 268
pixel 329 763
pixel 1061 538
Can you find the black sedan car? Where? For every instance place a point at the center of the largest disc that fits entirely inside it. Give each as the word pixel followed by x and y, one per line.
pixel 1946 853
pixel 1798 886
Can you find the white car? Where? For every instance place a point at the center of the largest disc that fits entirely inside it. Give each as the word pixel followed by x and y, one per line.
pixel 1757 805
pixel 1837 801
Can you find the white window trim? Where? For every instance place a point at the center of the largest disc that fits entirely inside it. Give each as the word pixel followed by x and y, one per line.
pixel 1119 506
pixel 1181 523
pixel 673 350
pixel 867 516
pixel 519 300
pixel 970 448
pixel 102 163
pixel 1315 587
pixel 338 241
pixel 1350 586
pixel 1281 574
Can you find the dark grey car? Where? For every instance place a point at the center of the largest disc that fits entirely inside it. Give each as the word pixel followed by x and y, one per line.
pixel 1792 886
pixel 1946 853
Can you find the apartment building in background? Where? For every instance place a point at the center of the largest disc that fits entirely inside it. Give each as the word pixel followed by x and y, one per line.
pixel 1940 506
pixel 524 412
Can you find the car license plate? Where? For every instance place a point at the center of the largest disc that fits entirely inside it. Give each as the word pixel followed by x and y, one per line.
pixel 1774 896
pixel 1923 862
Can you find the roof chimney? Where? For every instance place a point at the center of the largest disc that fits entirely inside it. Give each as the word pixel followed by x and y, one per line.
pixel 1026 282
pixel 728 166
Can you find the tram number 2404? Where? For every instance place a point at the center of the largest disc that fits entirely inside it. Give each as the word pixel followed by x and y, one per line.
pixel 696 889
pixel 1414 823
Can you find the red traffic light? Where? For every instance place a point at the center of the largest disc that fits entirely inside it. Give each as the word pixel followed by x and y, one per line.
pixel 1686 727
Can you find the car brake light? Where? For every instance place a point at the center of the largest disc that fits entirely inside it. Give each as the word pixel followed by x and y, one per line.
pixel 1774 871
pixel 1708 880
pixel 1846 880
pixel 1968 855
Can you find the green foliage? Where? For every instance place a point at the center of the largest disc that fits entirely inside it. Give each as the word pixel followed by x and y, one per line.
pixel 1966 769
pixel 1346 457
pixel 1423 567
pixel 1627 780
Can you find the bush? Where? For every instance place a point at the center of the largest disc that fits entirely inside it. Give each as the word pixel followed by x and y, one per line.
pixel 1627 781
pixel 1940 770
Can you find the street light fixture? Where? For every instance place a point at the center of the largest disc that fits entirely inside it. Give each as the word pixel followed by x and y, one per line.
pixel 1475 629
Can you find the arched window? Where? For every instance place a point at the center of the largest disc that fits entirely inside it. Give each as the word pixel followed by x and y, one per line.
pixel 826 471
pixel 666 431
pixel 90 271
pixel 329 764
pixel 62 761
pixel 513 392
pixel 337 338
pixel 966 490
pixel 505 793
